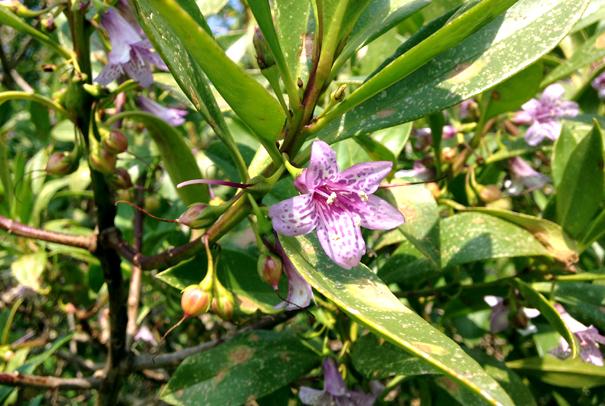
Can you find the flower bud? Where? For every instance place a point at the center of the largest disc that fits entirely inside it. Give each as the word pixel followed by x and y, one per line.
pixel 103 160
pixel 490 193
pixel 61 163
pixel 223 307
pixel 269 269
pixel 116 142
pixel 121 179
pixel 200 215
pixel 194 301
pixel 48 23
pixel 264 56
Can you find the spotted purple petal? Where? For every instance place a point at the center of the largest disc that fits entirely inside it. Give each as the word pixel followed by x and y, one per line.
pixel 294 216
pixel 340 237
pixel 121 36
pixel 378 214
pixel 540 130
pixel 322 165
pixel 365 177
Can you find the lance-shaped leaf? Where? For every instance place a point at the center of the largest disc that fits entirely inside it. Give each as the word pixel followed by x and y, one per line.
pixel 255 106
pixel 175 153
pixel 458 28
pixel 566 373
pixel 592 50
pixel 548 233
pixel 245 368
pixel 291 18
pixel 361 294
pixel 580 192
pixel 503 47
pixel 537 300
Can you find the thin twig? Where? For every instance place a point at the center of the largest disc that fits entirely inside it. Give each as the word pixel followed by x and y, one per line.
pixel 173 359
pixel 88 242
pixel 134 291
pixel 49 382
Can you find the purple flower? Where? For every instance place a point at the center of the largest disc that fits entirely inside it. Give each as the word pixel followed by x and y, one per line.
pixel 336 204
pixel 172 116
pixel 418 171
pixel 300 294
pixel 498 320
pixel 599 85
pixel 524 177
pixel 542 115
pixel 588 337
pixel 335 392
pixel 466 108
pixel 131 52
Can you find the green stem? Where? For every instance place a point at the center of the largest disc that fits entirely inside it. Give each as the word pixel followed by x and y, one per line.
pixel 45 101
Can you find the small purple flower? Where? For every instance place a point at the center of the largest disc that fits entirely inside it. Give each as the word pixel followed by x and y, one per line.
pixel 172 116
pixel 424 135
pixel 131 52
pixel 498 320
pixel 524 177
pixel 419 171
pixel 588 337
pixel 336 204
pixel 335 392
pixel 543 115
pixel 599 85
pixel 466 108
pixel 300 293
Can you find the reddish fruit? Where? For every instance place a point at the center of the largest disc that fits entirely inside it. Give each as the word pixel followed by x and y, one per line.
pixel 60 163
pixel 194 301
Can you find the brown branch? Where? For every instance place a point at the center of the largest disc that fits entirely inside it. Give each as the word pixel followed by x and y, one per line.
pixel 80 241
pixel 49 382
pixel 173 256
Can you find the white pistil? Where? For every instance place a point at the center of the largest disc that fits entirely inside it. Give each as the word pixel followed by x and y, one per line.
pixel 363 196
pixel 331 198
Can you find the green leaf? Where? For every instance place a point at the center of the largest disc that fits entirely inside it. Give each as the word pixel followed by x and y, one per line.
pixel 471 237
pixel 176 155
pixel 580 192
pixel 210 7
pixel 379 359
pixel 564 145
pixel 509 380
pixel 255 106
pixel 28 269
pixel 535 299
pixel 361 294
pixel 237 271
pixel 186 71
pixel 505 46
pixel 569 373
pixel 243 369
pixel 550 234
pixel 512 93
pixel 9 18
pixel 451 34
pixel 291 18
pixel 378 17
pixel 591 50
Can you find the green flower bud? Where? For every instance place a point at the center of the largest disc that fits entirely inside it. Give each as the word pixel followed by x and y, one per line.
pixel 103 160
pixel 264 56
pixel 200 215
pixel 269 269
pixel 195 301
pixel 223 304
